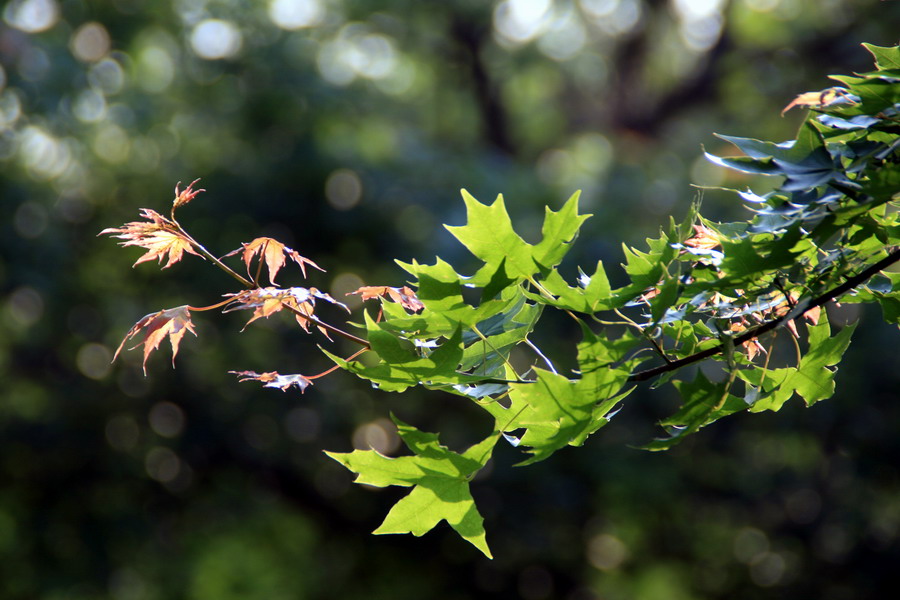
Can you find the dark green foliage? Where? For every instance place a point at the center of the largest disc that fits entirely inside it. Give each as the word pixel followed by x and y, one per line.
pixel 702 291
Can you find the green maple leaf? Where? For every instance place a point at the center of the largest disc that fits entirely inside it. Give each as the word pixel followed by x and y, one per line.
pixel 594 296
pixel 812 379
pixel 559 231
pixel 703 402
pixel 401 367
pixel 439 478
pixel 556 411
pixel 489 235
pixel 885 58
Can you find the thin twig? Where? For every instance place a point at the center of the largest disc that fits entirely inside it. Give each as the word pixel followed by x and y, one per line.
pixel 831 294
pixel 209 255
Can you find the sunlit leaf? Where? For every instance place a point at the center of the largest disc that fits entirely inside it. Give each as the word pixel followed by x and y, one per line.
pixel 439 478
pixel 272 379
pixel 171 322
pixel 158 235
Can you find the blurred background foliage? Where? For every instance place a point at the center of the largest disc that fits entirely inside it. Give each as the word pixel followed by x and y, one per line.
pixel 345 129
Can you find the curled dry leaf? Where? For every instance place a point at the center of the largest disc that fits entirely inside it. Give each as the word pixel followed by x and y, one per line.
pixel 272 379
pixel 158 235
pixel 171 322
pixel 821 99
pixel 275 255
pixel 270 300
pixel 183 197
pixel 403 296
pixel 704 238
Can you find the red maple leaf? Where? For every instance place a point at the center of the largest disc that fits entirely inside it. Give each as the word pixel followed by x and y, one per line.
pixel 158 235
pixel 171 322
pixel 269 300
pixel 403 296
pixel 275 255
pixel 273 380
pixel 183 197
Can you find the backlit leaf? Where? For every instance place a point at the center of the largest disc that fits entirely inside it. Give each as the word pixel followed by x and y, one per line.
pixel 439 478
pixel 171 322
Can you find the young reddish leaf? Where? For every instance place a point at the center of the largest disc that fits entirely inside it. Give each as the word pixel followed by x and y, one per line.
pixel 272 379
pixel 270 300
pixel 171 322
pixel 820 99
pixel 182 198
pixel 403 296
pixel 275 255
pixel 158 235
pixel 704 238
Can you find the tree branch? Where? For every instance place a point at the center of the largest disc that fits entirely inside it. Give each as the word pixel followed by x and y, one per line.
pixel 802 307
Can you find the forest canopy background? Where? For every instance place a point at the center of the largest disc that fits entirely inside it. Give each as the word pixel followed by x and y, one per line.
pixel 345 130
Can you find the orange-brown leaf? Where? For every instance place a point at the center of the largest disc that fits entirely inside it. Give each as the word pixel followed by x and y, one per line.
pixel 171 323
pixel 403 296
pixel 273 380
pixel 275 255
pixel 270 300
pixel 819 99
pixel 183 197
pixel 703 238
pixel 158 235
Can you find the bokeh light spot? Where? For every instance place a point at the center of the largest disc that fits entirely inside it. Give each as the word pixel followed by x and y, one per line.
pixel 343 284
pixel 44 156
pixel 25 306
pixel 379 435
pixel 749 544
pixel 606 552
pixel 166 419
pixel 90 42
pixel 767 569
pixel 343 189
pixel 31 16
pixel 30 220
pixel 107 76
pixel 518 21
pixel 94 360
pixel 111 143
pixel 156 68
pixel 10 108
pixel 215 38
pixel 162 464
pixel 296 14
pixel 89 106
pixel 565 38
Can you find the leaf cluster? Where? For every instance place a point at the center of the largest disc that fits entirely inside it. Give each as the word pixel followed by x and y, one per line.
pixel 700 292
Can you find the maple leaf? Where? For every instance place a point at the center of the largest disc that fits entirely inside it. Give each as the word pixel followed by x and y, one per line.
pixel 273 379
pixel 752 346
pixel 439 479
pixel 403 296
pixel 158 235
pixel 704 238
pixel 171 322
pixel 821 99
pixel 275 255
pixel 183 197
pixel 270 300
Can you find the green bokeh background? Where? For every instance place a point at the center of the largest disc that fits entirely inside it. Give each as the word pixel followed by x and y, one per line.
pixel 345 129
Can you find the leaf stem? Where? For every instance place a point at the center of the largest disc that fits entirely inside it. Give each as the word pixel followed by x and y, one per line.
pixel 331 328
pixel 209 256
